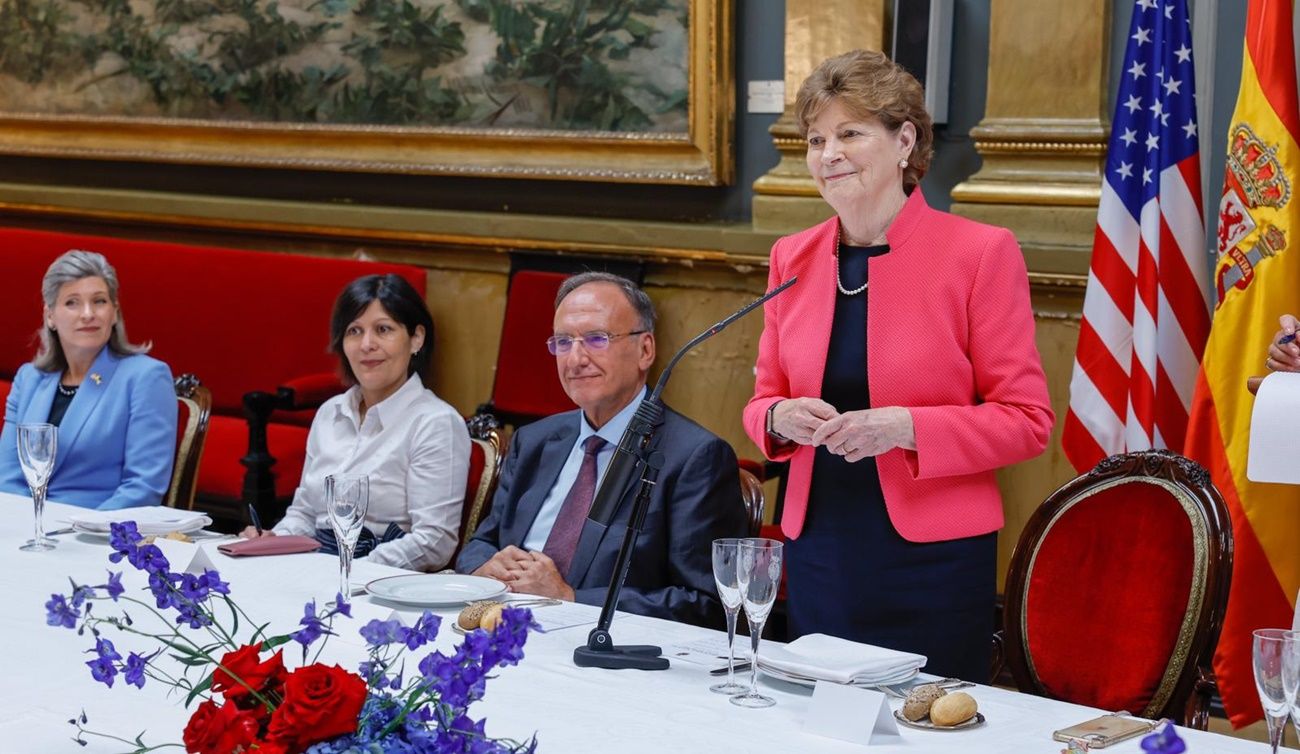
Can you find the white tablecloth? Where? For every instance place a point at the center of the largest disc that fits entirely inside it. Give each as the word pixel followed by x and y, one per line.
pixel 45 681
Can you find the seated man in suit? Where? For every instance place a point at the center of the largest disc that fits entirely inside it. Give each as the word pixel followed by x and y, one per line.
pixel 537 537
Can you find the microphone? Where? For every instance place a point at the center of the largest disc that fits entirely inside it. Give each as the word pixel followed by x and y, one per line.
pixel 649 415
pixel 634 457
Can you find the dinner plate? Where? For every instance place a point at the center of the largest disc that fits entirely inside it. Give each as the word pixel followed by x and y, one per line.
pixel 158 529
pixel 802 680
pixel 925 724
pixel 435 589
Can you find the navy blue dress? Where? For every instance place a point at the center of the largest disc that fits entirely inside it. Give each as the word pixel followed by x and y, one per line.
pixel 850 574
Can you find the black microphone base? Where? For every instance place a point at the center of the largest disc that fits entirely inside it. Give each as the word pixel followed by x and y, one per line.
pixel 632 656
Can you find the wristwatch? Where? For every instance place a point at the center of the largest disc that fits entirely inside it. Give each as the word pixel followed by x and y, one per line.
pixel 776 435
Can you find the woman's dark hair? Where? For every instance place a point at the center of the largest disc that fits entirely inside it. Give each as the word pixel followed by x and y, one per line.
pixel 400 300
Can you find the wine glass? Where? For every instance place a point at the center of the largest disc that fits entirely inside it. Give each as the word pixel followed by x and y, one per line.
pixel 37 444
pixel 1291 674
pixel 347 496
pixel 759 575
pixel 1275 678
pixel 726 553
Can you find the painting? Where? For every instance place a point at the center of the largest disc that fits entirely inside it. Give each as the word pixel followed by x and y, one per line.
pixel 612 90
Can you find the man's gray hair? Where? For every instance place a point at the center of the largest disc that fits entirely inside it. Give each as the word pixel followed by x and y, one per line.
pixel 70 267
pixel 645 310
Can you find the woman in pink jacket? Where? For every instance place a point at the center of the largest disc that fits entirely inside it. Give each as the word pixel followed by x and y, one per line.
pixel 897 377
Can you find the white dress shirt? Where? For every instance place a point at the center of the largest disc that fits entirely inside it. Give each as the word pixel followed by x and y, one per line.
pixel 414 448
pixel 611 433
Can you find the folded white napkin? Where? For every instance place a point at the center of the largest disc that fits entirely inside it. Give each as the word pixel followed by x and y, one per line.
pixel 149 520
pixel 829 658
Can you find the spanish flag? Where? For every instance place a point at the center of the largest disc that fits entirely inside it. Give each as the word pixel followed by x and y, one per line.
pixel 1256 278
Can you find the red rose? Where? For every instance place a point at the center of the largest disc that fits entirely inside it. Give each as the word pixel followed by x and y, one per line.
pixel 320 703
pixel 219 730
pixel 244 665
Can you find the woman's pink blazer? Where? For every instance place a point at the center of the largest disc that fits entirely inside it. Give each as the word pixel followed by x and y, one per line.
pixel 950 336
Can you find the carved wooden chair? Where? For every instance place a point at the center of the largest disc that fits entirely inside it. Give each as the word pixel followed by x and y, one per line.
pixel 196 404
pixel 486 453
pixel 751 492
pixel 1118 587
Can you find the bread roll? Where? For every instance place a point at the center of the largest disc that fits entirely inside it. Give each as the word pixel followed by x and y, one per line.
pixel 918 701
pixel 472 614
pixel 491 617
pixel 952 709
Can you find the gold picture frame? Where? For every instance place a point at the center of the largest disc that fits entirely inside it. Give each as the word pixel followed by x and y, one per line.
pixel 700 155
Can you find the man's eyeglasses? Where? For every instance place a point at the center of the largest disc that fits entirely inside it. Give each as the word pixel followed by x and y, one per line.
pixel 594 341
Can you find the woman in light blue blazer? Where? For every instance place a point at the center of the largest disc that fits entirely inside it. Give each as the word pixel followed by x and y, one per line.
pixel 115 407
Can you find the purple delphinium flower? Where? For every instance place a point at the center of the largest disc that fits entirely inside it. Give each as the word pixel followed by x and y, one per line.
pixel 379 633
pixel 1164 741
pixel 424 631
pixel 133 669
pixel 114 586
pixel 341 606
pixel 123 538
pixel 149 558
pixel 80 594
pixel 102 668
pixel 312 627
pixel 59 613
pixel 161 586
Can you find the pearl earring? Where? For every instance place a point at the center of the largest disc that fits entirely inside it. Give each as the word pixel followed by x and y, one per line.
pixel 902 163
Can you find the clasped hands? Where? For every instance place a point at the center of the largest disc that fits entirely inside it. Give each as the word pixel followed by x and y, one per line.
pixel 853 434
pixel 527 573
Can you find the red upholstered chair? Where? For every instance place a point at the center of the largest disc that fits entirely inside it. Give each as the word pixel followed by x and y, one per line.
pixel 486 454
pixel 1118 586
pixel 191 435
pixel 526 387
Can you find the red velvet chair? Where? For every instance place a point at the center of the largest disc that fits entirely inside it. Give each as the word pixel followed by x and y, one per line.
pixel 486 454
pixel 1118 586
pixel 525 387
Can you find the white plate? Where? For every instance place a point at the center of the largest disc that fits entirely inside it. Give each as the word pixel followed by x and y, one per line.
pixel 145 529
pixel 781 675
pixel 435 589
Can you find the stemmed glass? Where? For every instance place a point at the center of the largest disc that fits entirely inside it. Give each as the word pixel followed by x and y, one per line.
pixel 347 496
pixel 759 576
pixel 1277 675
pixel 726 553
pixel 37 444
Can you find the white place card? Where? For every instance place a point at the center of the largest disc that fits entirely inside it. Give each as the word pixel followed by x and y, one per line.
pixel 1274 454
pixel 853 714
pixel 184 557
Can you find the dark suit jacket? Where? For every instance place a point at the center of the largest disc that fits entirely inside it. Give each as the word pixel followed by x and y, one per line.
pixel 696 500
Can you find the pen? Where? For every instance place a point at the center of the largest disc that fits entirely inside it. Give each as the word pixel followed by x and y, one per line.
pixel 257 520
pixel 1287 339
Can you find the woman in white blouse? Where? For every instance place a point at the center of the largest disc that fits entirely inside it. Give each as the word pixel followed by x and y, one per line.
pixel 389 426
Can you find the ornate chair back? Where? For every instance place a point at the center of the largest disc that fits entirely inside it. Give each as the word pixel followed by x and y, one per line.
pixel 486 453
pixel 751 492
pixel 1118 587
pixel 196 404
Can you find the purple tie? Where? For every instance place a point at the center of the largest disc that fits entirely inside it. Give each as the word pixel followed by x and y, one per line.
pixel 563 539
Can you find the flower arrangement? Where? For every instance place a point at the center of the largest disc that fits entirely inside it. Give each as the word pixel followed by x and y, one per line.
pixel 250 702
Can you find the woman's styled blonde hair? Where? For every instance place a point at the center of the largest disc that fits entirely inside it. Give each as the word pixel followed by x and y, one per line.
pixel 70 267
pixel 869 84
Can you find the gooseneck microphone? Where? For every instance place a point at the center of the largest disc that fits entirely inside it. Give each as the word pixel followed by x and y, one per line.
pixel 633 456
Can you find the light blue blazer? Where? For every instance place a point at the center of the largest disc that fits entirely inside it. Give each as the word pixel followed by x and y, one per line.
pixel 116 441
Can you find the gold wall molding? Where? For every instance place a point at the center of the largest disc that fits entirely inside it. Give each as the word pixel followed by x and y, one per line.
pixel 785 199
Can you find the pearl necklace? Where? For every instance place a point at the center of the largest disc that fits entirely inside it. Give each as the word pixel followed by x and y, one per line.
pixel 840 283
pixel 67 391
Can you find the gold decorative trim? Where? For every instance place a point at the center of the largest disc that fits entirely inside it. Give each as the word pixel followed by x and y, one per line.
pixel 702 154
pixel 978 191
pixel 494 243
pixel 1058 280
pixel 491 466
pixel 1195 597
pixel 1018 147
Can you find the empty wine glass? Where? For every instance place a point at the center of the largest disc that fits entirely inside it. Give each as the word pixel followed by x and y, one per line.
pixel 759 576
pixel 1276 674
pixel 347 496
pixel 1291 675
pixel 726 553
pixel 37 445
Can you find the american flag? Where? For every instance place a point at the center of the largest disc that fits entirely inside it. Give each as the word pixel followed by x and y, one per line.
pixel 1145 312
